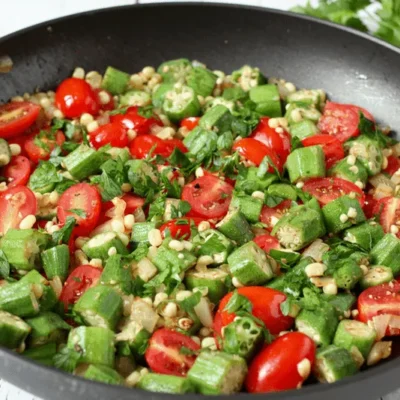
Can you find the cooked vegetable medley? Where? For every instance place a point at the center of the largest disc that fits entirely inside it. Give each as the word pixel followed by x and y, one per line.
pixel 183 230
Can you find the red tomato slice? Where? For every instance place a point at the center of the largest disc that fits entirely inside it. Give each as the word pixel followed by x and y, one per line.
pixel 328 189
pixel 332 147
pixel 266 242
pixel 266 306
pixel 110 105
pixel 87 200
pixel 80 280
pixel 75 97
pixel 369 205
pixel 164 352
pixel 380 300
pixel 275 367
pixel 141 146
pixel 15 204
pixel 389 210
pixel 40 145
pixel 133 120
pixel 190 123
pixel 17 117
pixel 255 151
pixel 132 201
pixel 270 215
pixel 180 228
pixel 278 142
pixel 17 171
pixel 393 165
pixel 342 120
pixel 113 133
pixel 208 196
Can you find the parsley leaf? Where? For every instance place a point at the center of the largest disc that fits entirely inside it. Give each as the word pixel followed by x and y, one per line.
pixel 4 265
pixel 44 175
pixel 78 211
pixel 157 207
pixel 179 159
pixel 146 112
pixel 180 210
pixel 190 302
pixel 368 128
pixel 63 235
pixel 67 359
pixel 238 303
pixel 111 179
pixel 272 201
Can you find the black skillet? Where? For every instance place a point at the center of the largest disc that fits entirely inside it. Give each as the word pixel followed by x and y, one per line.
pixel 351 66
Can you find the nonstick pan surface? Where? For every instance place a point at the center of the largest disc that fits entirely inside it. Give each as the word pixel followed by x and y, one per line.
pixel 351 66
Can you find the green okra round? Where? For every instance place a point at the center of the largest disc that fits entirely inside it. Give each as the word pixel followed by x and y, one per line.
pixel 376 275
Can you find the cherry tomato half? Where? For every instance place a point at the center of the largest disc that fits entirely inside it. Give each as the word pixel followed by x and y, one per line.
pixel 15 204
pixel 112 133
pixel 40 145
pixel 208 196
pixel 180 228
pixel 266 242
pixel 255 151
pixel 275 368
pixel 80 280
pixel 342 120
pixel 190 123
pixel 279 142
pixel 75 97
pixel 270 215
pixel 105 105
pixel 388 209
pixel 328 189
pixel 266 306
pixel 164 354
pixel 17 171
pixel 143 144
pixel 17 117
pixel 393 165
pixel 83 202
pixel 378 301
pixel 332 147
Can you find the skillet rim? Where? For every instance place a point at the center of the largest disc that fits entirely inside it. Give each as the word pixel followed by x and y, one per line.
pixel 375 372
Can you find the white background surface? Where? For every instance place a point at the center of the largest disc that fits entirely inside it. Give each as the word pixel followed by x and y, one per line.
pixel 35 11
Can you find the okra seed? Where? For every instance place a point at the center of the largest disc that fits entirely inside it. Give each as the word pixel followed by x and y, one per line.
pixel 86 119
pixel 80 257
pixel 117 226
pixel 27 222
pixel 129 221
pixel 94 79
pixel 148 300
pixel 354 313
pixel 203 226
pixel 236 282
pixel 15 149
pixel 176 245
pixel 79 73
pixel 53 229
pixel 96 262
pixel 159 298
pixel 124 238
pixel 394 229
pixel 131 134
pixel 343 218
pixel 354 169
pixel 132 379
pixel 351 159
pixel 155 238
pixel 299 185
pixel 273 123
pixel 209 343
pixel 3 186
pixel 205 331
pixel 183 294
pixel 199 172
pixel 53 198
pixel 352 212
pixel 126 187
pixel 315 269
pixel 364 269
pixel 385 163
pixel 304 368
pixel 92 126
pixel 274 220
pixel 170 310
pixel 279 130
pixel 148 72
pixel 196 339
pixel 258 195
pixel 58 114
pixel 352 195
pixel 330 288
pixel 205 260
pixel 112 251
pixel 181 256
pixel 45 103
pixel 296 115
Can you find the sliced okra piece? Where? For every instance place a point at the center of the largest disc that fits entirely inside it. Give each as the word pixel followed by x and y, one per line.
pixel 306 162
pixel 218 373
pixel 366 235
pixel 303 129
pixel 48 298
pixel 117 274
pixel 158 95
pixel 229 104
pixel 100 373
pixel 42 354
pixel 99 246
pixel 347 274
pixel 56 261
pixel 166 257
pixel 20 299
pixel 320 325
pixel 217 119
pixel 22 247
pixel 250 265
pixel 214 244
pixel 201 142
pixel 140 231
pixel 242 337
pixel 368 152
pixel 136 336
pixel 235 227
pixel 342 302
pixel 342 213
pixel 299 227
pixel 248 77
pixel 181 102
pixel 282 190
pixel 304 96
pixel 352 172
pixel 100 306
pixel 47 327
pixel 249 206
pixel 214 279
pixel 376 275
pixel 201 80
pixel 84 161
pixel 351 333
pixel 95 344
pixel 253 180
pixel 115 81
pixel 5 153
pixel 387 252
pixel 300 112
pixel 165 384
pixel 174 70
pixel 138 98
pixel 334 363
pixel 267 100
pixel 234 93
pixel 13 330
